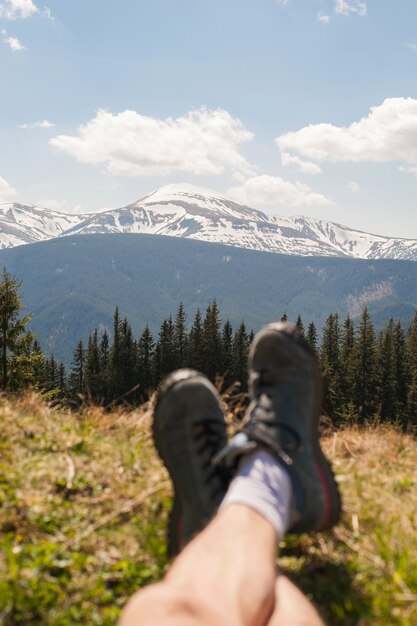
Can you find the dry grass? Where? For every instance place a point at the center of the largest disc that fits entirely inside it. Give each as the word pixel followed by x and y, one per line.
pixel 83 506
pixel 365 570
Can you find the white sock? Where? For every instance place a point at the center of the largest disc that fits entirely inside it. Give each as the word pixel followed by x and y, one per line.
pixel 264 485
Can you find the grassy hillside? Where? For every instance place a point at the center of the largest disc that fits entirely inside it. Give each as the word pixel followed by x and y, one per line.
pixel 83 507
pixel 73 284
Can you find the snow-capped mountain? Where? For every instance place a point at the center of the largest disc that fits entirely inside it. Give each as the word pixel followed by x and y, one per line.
pixel 197 213
pixel 26 223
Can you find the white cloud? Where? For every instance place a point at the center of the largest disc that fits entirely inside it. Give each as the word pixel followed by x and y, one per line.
pixel 348 7
pixel 6 191
pixel 412 46
pixel 306 167
pixel 323 18
pixel 46 12
pixel 15 9
pixel 353 186
pixel 274 191
pixel 13 43
pixel 408 169
pixel 22 9
pixel 42 124
pixel 387 133
pixel 131 144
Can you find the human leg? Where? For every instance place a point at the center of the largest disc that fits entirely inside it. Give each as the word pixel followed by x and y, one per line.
pixel 226 575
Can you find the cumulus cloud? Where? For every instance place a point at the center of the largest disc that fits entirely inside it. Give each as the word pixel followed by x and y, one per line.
pixel 353 186
pixel 22 9
pixel 387 133
pixel 323 18
pixel 13 43
pixel 349 7
pixel 42 124
pixel 131 144
pixel 17 9
pixel 306 167
pixel 273 191
pixel 6 191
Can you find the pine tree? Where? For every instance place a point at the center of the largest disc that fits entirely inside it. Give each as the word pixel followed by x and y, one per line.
pixel 227 351
pixel 300 325
pixel 387 375
pixel 180 337
pixel 312 337
pixel 51 381
pixel 195 343
pixel 411 406
pixel 211 343
pixel 411 343
pixel 240 356
pixel 105 387
pixel 165 350
pixel 116 365
pixel 402 370
pixel 77 376
pixel 92 368
pixel 347 373
pixel 128 364
pixel 18 360
pixel 146 377
pixel 61 379
pixel 365 366
pixel 330 363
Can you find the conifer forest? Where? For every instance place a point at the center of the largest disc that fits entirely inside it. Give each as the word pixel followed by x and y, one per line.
pixel 368 374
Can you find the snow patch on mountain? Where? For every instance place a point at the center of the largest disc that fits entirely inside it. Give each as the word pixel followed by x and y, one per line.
pixel 26 223
pixel 377 291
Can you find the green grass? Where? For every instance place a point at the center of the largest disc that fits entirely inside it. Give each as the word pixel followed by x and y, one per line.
pixel 84 503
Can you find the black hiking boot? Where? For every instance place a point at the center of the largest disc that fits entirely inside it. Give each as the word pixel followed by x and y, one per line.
pixel 283 418
pixel 189 430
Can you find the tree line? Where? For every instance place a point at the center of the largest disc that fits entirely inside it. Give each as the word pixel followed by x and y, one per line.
pixel 367 373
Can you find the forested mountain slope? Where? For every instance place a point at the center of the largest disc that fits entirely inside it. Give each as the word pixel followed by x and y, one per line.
pixel 72 284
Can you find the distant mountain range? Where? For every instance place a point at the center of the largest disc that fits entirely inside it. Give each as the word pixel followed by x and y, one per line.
pixel 192 212
pixel 72 284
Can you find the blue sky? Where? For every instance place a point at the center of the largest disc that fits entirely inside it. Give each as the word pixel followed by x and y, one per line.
pixel 294 107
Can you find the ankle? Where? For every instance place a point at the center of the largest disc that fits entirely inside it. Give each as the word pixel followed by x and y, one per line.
pixel 262 484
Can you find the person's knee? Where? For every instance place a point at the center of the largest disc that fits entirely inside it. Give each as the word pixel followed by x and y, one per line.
pixel 292 606
pixel 146 606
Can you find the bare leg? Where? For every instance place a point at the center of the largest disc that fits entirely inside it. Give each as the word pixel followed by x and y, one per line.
pixel 226 575
pixel 292 608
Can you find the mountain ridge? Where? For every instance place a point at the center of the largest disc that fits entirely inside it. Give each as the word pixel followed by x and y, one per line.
pixel 187 211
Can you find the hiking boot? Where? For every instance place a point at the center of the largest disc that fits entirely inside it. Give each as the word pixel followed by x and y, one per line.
pixel 283 417
pixel 189 430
